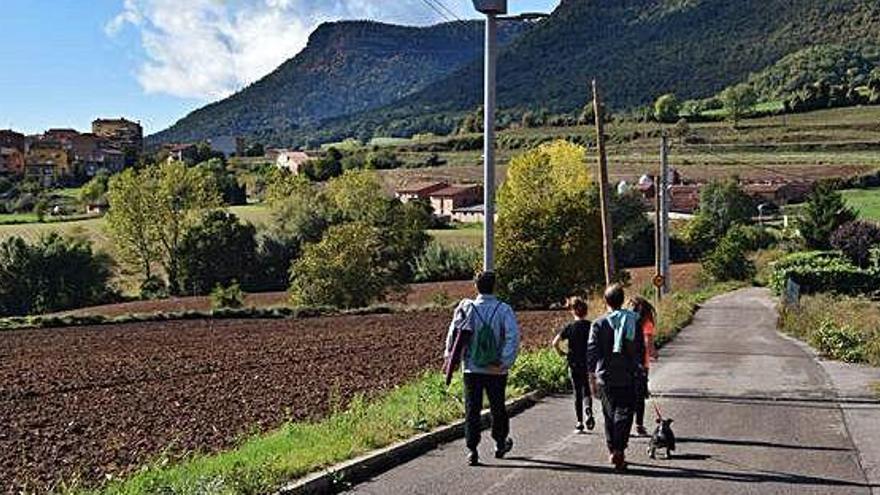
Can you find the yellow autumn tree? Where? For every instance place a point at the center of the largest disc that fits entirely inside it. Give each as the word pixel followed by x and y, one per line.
pixel 549 239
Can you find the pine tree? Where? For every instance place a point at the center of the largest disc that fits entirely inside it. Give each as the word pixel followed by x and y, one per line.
pixel 824 212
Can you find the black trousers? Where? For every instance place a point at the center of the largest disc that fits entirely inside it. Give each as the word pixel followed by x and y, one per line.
pixel 618 405
pixel 494 386
pixel 641 396
pixel 581 391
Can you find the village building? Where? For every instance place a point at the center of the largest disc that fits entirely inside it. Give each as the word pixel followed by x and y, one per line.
pixel 49 153
pixel 182 152
pixel 64 137
pixel 42 173
pixel 110 161
pixel 11 161
pixel 12 139
pixel 421 190
pixel 122 135
pixel 469 214
pixel 292 161
pixel 445 200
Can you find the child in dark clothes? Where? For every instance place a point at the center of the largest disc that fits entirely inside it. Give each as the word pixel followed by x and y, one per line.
pixel 576 334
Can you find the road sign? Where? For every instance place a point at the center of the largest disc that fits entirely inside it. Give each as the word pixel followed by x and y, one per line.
pixel 659 280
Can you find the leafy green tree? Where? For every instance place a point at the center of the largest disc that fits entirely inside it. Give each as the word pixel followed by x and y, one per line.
pixel 666 108
pixel 382 159
pixel 633 232
pixel 738 102
pixel 722 205
pixel 549 229
pixel 824 212
pixel 344 270
pixel 95 190
pixel 325 167
pixel 151 211
pixel 41 207
pixel 225 181
pixel 729 259
pixel 218 251
pixel 132 220
pixel 53 274
pixel 275 254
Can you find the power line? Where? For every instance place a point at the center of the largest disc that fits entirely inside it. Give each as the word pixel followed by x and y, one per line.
pixel 437 10
pixel 443 6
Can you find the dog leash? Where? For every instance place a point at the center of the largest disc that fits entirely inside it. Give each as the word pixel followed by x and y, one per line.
pixel 657 409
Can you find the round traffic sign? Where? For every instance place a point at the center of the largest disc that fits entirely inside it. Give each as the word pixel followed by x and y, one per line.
pixel 659 280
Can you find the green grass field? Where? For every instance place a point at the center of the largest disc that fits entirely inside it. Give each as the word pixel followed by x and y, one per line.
pixel 460 235
pixel 866 201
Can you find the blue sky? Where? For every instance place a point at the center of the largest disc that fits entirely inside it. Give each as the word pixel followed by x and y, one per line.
pixel 65 62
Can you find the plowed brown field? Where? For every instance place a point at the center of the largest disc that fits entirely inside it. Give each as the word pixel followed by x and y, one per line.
pixel 88 402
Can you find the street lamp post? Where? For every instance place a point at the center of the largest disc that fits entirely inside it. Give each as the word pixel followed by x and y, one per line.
pixel 492 9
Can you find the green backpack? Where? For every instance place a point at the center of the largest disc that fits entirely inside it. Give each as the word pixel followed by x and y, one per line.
pixel 485 350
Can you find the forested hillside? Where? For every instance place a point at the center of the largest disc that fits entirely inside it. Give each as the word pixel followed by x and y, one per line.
pixel 346 67
pixel 638 49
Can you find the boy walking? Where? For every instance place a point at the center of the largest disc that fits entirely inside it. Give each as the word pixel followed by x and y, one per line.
pixel 576 334
pixel 488 356
pixel 615 355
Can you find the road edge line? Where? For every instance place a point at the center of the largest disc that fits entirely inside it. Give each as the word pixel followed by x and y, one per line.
pixel 342 476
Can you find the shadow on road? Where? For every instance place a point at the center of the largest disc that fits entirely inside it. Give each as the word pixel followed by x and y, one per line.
pixel 678 472
pixel 759 443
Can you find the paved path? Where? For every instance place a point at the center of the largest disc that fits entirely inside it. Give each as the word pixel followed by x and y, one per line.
pixel 754 411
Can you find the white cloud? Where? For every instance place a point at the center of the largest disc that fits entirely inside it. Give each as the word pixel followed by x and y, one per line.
pixel 207 49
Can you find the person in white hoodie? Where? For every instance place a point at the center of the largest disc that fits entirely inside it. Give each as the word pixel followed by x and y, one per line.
pixel 488 357
pixel 614 356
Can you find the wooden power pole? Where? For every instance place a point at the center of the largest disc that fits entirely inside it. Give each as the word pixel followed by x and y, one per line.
pixel 607 231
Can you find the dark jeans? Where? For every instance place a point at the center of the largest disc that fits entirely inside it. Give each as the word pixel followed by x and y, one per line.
pixel 641 397
pixel 494 386
pixel 581 390
pixel 618 404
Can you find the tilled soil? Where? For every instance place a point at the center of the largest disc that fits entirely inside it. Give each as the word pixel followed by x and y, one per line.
pixel 91 402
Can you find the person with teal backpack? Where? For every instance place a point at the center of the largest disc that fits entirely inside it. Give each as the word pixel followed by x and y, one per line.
pixel 490 349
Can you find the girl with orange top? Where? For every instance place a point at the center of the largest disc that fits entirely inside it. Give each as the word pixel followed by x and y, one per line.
pixel 647 317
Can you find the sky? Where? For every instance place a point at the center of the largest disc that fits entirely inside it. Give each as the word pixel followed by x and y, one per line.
pixel 65 62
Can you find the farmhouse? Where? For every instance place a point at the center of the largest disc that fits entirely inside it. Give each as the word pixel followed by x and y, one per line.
pixel 421 190
pixel 11 161
pixel 469 214
pixel 182 152
pixel 445 200
pixel 291 161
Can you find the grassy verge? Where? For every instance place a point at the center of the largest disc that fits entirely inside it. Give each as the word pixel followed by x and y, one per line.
pixel 841 328
pixel 264 462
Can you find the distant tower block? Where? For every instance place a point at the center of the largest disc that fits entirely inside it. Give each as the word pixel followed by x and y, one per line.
pixel 491 7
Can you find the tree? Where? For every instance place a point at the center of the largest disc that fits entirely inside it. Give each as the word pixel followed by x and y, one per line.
pixel 666 108
pixel 824 212
pixel 344 270
pixel 53 274
pixel 152 209
pixel 738 102
pixel 325 167
pixel 218 251
pixel 41 207
pixel 132 220
pixel 95 190
pixel 729 260
pixel 231 191
pixel 681 130
pixel 633 232
pixel 855 240
pixel 722 205
pixel 549 239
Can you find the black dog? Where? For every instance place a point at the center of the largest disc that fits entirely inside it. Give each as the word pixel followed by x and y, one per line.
pixel 663 438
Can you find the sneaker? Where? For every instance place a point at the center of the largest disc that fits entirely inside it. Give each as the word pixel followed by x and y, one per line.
pixel 619 460
pixel 473 458
pixel 502 449
pixel 641 431
pixel 579 427
pixel 591 423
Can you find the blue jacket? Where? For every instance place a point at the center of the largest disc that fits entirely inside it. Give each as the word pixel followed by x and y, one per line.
pixel 465 316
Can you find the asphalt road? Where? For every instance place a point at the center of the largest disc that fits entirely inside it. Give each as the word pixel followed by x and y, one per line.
pixel 754 413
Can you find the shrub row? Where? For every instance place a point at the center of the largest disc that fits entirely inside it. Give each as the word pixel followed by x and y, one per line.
pixel 823 271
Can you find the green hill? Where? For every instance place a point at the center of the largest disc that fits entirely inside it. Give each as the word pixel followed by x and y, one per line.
pixel 346 67
pixel 638 49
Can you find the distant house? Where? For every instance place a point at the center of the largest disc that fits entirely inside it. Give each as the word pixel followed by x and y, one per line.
pixel 445 200
pixel 122 135
pixel 11 161
pixel 12 139
pixel 779 193
pixel 64 137
pixel 182 152
pixel 684 198
pixel 421 190
pixel 43 173
pixel 49 154
pixel 110 161
pixel 291 161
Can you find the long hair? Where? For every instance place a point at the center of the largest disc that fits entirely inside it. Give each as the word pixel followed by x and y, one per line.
pixel 644 308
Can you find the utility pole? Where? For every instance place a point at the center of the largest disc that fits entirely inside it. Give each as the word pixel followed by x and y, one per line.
pixel 663 213
pixel 492 9
pixel 658 239
pixel 607 231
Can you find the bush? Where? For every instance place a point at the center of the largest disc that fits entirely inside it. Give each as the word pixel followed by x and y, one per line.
pixel 153 288
pixel 820 271
pixel 540 370
pixel 855 240
pixel 274 256
pixel 843 343
pixel 722 205
pixel 54 274
pixel 729 260
pixel 230 297
pixel 666 108
pixel 344 270
pixel 440 263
